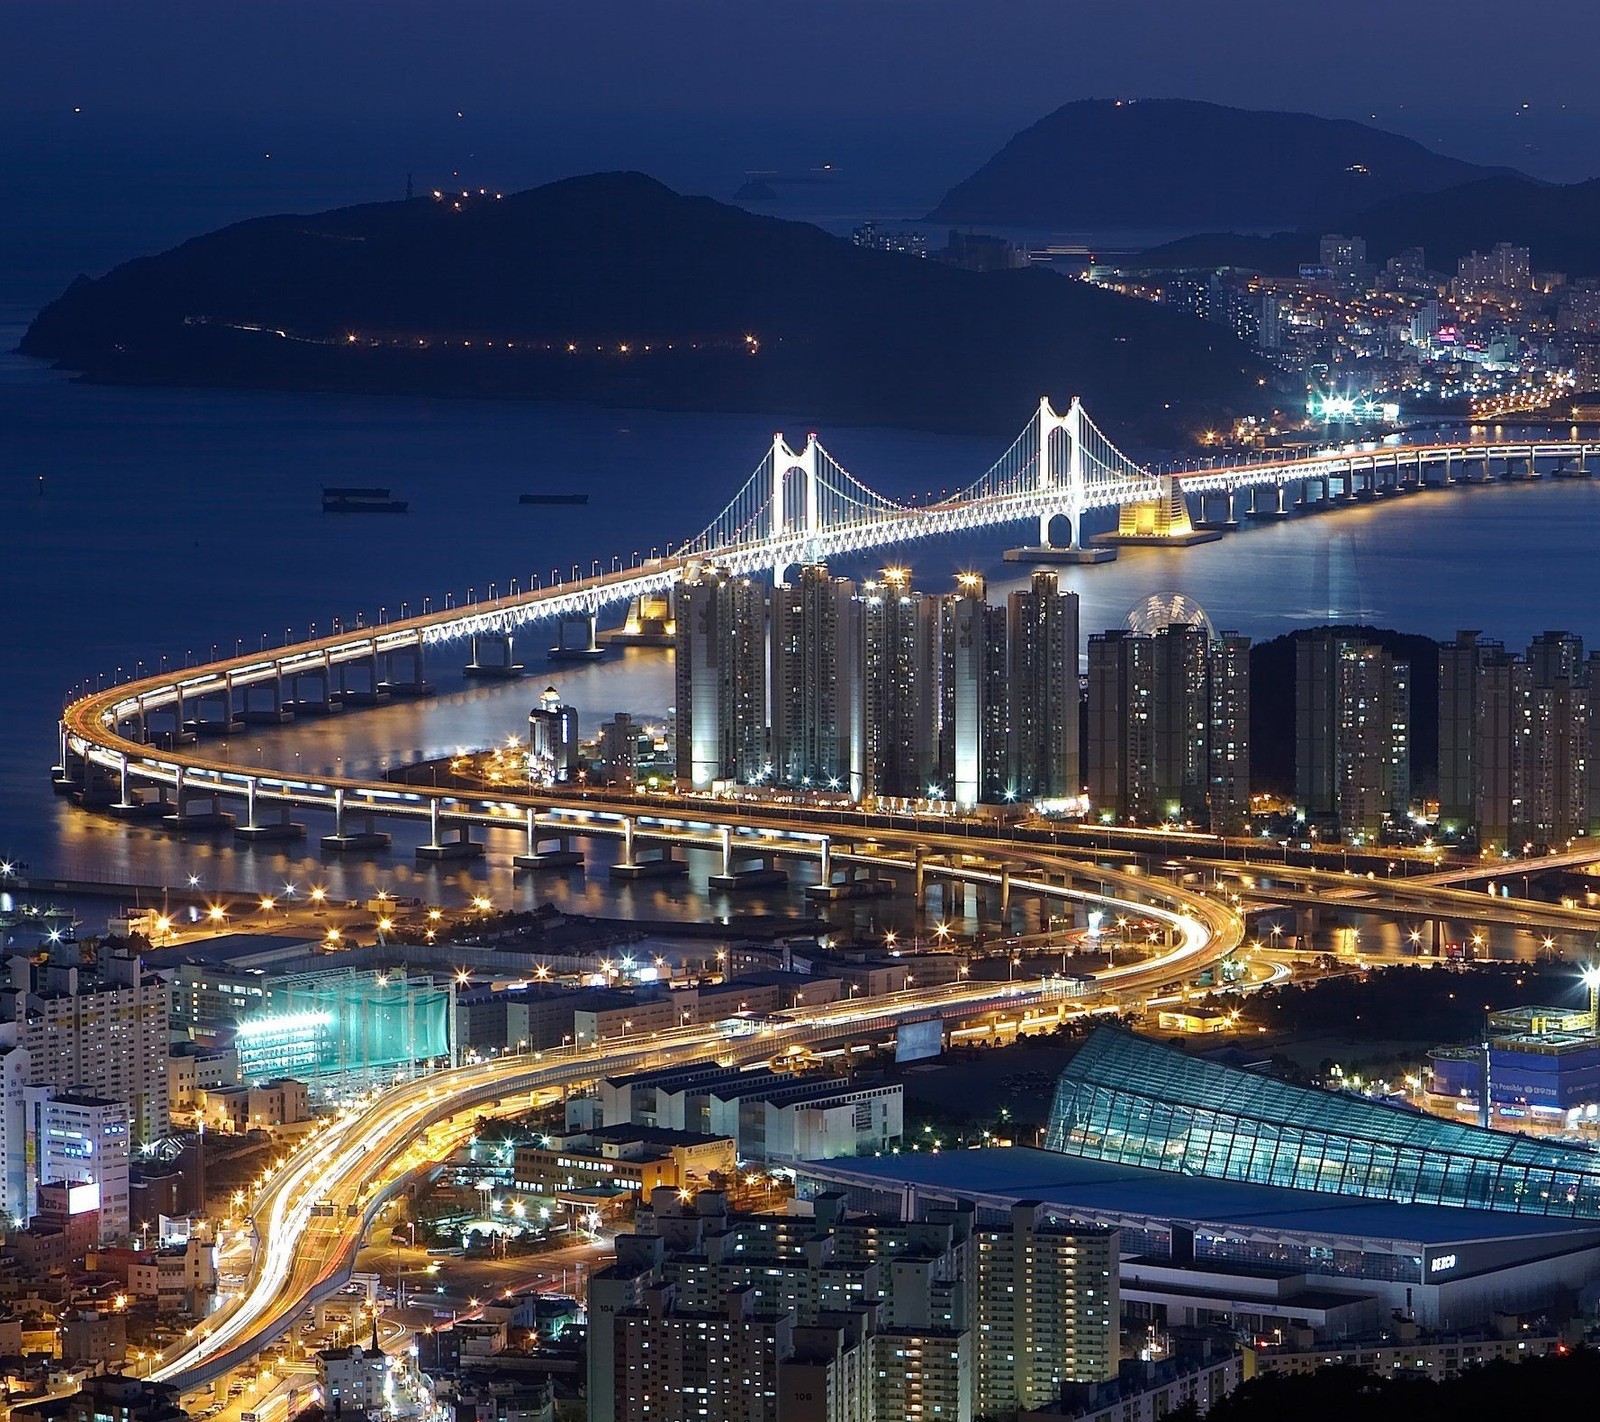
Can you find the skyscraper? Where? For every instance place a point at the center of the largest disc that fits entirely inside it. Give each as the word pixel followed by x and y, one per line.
pixel 720 728
pixel 1043 634
pixel 1352 732
pixel 101 1030
pixel 1460 665
pixel 895 740
pixel 1525 729
pixel 974 721
pixel 1121 769
pixel 813 680
pixel 1048 1310
pixel 1228 755
pixel 1181 708
pixel 1169 725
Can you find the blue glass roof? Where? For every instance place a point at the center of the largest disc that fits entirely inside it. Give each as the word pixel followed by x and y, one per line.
pixel 1129 1101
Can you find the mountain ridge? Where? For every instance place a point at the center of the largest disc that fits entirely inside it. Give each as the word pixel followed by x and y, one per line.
pixel 1099 163
pixel 612 289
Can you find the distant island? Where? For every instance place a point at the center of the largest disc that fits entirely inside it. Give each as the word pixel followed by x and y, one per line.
pixel 612 289
pixel 1174 163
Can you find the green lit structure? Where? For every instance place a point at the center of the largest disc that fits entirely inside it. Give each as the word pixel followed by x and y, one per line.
pixel 347 1028
pixel 1129 1101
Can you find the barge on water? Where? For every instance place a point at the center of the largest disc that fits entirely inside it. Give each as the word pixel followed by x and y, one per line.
pixel 361 501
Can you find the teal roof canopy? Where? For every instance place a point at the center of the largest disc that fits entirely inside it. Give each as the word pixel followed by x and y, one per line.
pixel 1131 1101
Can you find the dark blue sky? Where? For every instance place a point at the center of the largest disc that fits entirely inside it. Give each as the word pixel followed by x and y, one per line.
pixel 1450 72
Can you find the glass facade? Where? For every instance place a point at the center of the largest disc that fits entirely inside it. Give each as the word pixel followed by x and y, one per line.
pixel 356 1028
pixel 1130 1101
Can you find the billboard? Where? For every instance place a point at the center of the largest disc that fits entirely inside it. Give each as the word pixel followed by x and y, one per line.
pixel 914 1041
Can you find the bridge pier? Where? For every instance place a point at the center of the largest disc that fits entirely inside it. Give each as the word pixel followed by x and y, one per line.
pixel 198 725
pixel 275 713
pixel 447 842
pixel 746 868
pixel 344 839
pixel 585 647
pixel 256 830
pixel 647 623
pixel 563 856
pixel 322 704
pixel 372 694
pixel 660 863
pixel 183 818
pixel 503 667
pixel 413 686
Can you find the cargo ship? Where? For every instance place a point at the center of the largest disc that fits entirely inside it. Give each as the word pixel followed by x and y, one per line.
pixel 361 501
pixel 554 499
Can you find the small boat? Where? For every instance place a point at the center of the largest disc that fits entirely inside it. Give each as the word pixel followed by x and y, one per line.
pixel 554 499
pixel 361 501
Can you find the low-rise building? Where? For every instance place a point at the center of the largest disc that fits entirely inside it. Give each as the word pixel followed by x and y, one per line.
pixel 769 1115
pixel 281 1102
pixel 180 1278
pixel 625 1156
pixel 352 1379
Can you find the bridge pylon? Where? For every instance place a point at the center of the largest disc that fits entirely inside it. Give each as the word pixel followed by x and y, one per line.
pixel 1059 482
pixel 796 514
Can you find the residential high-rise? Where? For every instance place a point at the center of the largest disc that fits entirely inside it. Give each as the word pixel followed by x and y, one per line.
pixel 1228 759
pixel 1352 732
pixel 16 1146
pixel 1121 769
pixel 1460 665
pixel 720 1364
pixel 81 1139
pixel 1526 727
pixel 1181 709
pixel 848 1318
pixel 1372 739
pixel 813 680
pixel 895 740
pixel 974 715
pixel 101 1030
pixel 1048 1310
pixel 721 676
pixel 1043 636
pixel 1169 725
pixel 1556 758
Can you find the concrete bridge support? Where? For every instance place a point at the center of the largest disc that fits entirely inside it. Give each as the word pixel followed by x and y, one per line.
pixel 659 863
pixel 371 693
pixel 409 660
pixel 198 723
pixel 274 713
pixel 447 841
pixel 577 638
pixel 354 831
pixel 547 848
pixel 185 817
pixel 502 666
pixel 747 867
pixel 322 702
pixel 258 830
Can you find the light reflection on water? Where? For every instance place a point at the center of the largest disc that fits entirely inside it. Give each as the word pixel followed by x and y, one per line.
pixel 173 520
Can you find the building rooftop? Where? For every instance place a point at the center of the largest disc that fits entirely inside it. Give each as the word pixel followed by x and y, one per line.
pixel 1000 1176
pixel 1124 1100
pixel 646 1135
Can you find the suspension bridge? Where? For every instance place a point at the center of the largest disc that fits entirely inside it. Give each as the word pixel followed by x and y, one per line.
pixel 797 506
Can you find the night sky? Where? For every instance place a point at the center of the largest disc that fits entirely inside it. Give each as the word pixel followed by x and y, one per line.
pixel 1455 73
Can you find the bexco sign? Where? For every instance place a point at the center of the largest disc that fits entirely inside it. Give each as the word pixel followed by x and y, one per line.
pixel 1440 1262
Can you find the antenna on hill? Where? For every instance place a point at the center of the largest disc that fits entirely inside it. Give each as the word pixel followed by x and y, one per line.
pixel 408 187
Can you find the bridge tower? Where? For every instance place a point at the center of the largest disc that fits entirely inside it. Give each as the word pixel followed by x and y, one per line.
pixel 1060 483
pixel 1069 480
pixel 796 514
